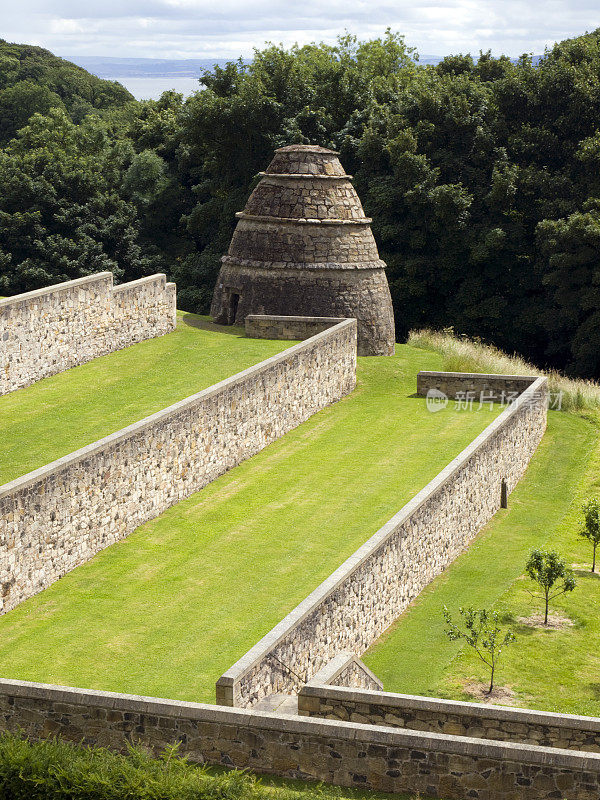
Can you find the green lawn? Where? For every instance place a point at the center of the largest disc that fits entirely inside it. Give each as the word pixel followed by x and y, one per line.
pixel 59 414
pixel 166 611
pixel 550 670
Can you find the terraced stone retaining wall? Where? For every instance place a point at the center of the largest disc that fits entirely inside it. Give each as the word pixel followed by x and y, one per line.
pixel 353 607
pixel 52 329
pixel 474 386
pixel 344 753
pixel 336 701
pixel 266 326
pixel 59 516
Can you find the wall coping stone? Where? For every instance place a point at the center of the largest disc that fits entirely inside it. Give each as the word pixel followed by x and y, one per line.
pixel 268 642
pixel 286 318
pixel 156 278
pixel 307 176
pixel 84 452
pixel 410 702
pixel 334 729
pixel 302 220
pixel 56 287
pixel 295 266
pixel 480 375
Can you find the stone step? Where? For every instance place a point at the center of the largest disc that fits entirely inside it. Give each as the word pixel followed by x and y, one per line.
pixel 279 703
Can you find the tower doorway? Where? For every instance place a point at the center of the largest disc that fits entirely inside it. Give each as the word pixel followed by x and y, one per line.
pixel 234 301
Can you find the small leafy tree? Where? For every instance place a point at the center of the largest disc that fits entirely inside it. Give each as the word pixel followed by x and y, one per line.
pixel 482 631
pixel 550 572
pixel 591 525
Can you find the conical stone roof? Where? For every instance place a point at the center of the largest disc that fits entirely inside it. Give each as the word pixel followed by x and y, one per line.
pixel 303 246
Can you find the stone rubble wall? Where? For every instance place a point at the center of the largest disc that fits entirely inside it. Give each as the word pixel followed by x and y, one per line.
pixel 52 329
pixel 325 291
pixel 269 326
pixel 291 242
pixel 352 608
pixel 59 516
pixel 368 757
pixel 479 385
pixel 476 720
pixel 290 198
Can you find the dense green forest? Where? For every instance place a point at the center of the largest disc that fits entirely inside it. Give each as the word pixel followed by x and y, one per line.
pixel 482 176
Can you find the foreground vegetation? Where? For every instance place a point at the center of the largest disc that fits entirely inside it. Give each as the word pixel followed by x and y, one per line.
pixel 482 177
pixel 55 770
pixel 553 669
pixel 167 610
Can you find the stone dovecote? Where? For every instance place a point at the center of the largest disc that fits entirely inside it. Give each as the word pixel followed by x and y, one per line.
pixel 303 246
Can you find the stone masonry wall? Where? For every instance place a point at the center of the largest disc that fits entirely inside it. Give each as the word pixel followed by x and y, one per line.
pixel 52 329
pixel 479 385
pixel 354 606
pixel 361 294
pixel 476 720
pixel 59 516
pixel 265 326
pixel 348 754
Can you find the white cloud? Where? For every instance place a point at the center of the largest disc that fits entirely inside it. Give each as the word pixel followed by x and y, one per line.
pixel 229 28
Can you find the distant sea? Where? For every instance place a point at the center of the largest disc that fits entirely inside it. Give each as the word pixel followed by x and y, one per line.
pixel 148 78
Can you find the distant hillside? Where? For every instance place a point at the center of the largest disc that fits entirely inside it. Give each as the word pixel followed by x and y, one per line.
pixel 34 80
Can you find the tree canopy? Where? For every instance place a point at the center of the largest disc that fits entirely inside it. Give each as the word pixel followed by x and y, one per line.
pixel 481 174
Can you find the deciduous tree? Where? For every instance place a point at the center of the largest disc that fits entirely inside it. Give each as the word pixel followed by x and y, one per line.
pixel 550 572
pixel 482 631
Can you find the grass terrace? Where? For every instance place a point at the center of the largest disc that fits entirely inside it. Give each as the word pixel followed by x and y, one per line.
pixel 552 670
pixel 167 610
pixel 64 412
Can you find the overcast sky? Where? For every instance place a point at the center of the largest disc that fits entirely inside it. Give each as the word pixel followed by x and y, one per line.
pixel 229 28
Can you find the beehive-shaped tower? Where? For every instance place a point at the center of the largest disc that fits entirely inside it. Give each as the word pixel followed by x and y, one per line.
pixel 303 246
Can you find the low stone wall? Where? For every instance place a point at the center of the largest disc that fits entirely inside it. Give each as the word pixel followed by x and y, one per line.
pixel 335 701
pixel 52 329
pixel 348 754
pixel 265 326
pixel 353 607
pixel 59 516
pixel 475 386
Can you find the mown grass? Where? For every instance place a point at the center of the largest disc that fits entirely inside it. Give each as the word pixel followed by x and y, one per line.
pixel 61 413
pixel 167 610
pixel 551 669
pixel 555 670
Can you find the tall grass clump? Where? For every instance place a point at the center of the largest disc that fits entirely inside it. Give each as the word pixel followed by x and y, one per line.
pixel 56 770
pixel 463 354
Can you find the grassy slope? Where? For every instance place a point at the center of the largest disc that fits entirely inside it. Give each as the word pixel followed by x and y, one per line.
pixel 167 610
pixel 64 412
pixel 551 670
